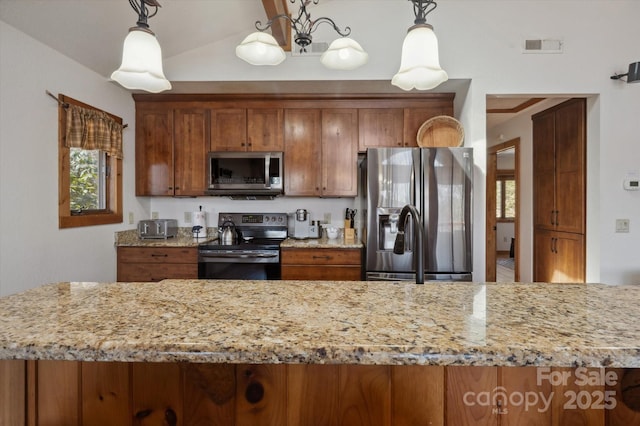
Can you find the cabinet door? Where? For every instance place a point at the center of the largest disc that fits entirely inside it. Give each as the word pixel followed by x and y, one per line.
pixel 415 117
pixel 154 152
pixel 190 152
pixel 264 129
pixel 463 385
pixel 302 150
pixel 543 256
pixel 340 152
pixel 157 394
pixel 559 257
pixel 228 129
pixel 570 159
pixel 544 171
pixel 379 128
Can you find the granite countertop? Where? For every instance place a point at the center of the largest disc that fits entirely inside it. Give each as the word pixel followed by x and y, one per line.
pixel 320 322
pixel 339 243
pixel 184 238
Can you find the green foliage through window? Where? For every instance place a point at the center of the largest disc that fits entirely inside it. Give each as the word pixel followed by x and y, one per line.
pixel 85 179
pixel 506 198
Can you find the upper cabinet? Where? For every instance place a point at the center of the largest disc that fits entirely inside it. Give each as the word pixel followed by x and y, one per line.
pixel 253 129
pixel 171 148
pixel 320 136
pixel 265 127
pixel 321 152
pixel 229 129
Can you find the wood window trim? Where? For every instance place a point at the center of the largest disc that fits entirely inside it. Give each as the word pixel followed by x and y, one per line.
pixel 113 214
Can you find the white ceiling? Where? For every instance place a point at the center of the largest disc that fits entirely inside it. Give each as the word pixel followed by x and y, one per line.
pixel 91 32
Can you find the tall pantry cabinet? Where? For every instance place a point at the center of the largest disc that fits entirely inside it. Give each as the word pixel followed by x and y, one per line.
pixel 559 192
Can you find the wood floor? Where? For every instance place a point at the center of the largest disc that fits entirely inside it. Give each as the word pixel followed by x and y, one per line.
pixel 504 274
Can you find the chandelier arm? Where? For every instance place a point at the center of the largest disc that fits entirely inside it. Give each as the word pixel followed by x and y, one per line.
pixel 143 11
pixel 421 8
pixel 269 23
pixel 324 20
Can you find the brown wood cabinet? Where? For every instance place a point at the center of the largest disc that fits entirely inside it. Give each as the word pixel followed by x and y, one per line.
pixel 415 117
pixel 321 152
pixel 107 393
pixel 321 264
pixel 319 134
pixel 380 128
pixel 171 147
pixel 229 129
pixel 157 263
pixel 559 162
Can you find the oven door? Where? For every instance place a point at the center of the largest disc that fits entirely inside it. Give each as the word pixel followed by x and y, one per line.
pixel 238 265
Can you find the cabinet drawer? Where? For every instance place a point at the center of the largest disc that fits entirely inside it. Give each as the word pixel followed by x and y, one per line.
pixel 320 256
pixel 333 273
pixel 156 271
pixel 158 255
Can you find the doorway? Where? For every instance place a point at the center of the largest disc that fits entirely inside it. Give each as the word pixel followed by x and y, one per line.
pixel 502 214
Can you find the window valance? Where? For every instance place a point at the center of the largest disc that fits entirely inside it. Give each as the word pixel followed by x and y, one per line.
pixel 92 129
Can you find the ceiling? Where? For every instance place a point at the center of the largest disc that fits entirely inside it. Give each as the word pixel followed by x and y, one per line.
pixel 73 28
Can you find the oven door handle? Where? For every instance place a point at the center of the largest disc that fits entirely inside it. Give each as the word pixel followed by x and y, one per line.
pixel 238 256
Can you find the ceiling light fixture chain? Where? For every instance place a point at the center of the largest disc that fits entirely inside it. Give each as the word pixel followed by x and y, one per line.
pixel 143 11
pixel 303 25
pixel 421 8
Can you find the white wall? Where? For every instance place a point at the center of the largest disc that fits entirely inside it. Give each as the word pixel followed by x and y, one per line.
pixel 479 40
pixel 33 251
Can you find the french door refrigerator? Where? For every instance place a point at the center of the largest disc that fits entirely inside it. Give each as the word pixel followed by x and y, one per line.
pixel 438 182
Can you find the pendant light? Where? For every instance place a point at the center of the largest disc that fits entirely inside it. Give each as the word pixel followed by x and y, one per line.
pixel 141 66
pixel 420 65
pixel 260 48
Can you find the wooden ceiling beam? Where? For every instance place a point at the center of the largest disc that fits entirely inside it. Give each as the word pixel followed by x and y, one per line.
pixel 281 28
pixel 516 108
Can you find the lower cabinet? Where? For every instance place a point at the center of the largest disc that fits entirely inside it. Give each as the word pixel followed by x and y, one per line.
pixel 157 263
pixel 127 394
pixel 558 257
pixel 337 264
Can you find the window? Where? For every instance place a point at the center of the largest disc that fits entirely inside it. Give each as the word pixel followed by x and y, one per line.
pixel 505 196
pixel 90 175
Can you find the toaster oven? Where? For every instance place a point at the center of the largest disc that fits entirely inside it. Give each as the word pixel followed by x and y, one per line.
pixel 157 229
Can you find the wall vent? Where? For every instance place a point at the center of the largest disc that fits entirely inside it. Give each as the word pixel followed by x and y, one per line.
pixel 541 45
pixel 316 48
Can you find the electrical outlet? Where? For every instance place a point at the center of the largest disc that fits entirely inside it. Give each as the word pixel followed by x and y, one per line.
pixel 622 225
pixel 154 215
pixel 327 218
pixel 187 217
pixel 130 218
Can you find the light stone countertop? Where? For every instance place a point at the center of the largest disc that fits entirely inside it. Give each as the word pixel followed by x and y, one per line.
pixel 319 322
pixel 184 238
pixel 337 243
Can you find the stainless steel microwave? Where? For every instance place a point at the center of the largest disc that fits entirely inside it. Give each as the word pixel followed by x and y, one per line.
pixel 245 174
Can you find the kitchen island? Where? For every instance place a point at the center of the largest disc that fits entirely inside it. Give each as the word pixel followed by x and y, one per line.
pixel 306 352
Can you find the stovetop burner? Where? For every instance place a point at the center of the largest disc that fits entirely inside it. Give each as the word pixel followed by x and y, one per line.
pixel 255 231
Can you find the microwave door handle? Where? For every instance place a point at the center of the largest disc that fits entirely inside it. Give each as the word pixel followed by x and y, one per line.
pixel 267 164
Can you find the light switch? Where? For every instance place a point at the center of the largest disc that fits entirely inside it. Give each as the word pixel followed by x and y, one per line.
pixel 187 217
pixel 622 225
pixel 130 218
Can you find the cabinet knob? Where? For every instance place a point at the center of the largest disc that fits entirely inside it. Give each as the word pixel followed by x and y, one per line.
pixel 170 417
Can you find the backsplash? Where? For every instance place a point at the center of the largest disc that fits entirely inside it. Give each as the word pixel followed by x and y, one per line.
pixel 319 208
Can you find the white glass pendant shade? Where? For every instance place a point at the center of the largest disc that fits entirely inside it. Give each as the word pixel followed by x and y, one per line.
pixel 344 54
pixel 420 65
pixel 141 63
pixel 260 49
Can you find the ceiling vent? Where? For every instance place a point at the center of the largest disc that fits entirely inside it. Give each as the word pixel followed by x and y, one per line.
pixel 316 48
pixel 540 45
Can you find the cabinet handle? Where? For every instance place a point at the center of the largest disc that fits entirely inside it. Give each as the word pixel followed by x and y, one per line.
pixel 170 417
pixel 159 255
pixel 143 413
pixel 322 257
pixel 557 220
pixel 552 217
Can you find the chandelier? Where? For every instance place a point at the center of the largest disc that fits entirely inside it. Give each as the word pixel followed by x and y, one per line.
pixel 261 48
pixel 141 66
pixel 419 64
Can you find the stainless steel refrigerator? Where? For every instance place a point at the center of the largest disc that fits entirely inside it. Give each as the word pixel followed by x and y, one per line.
pixel 438 182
